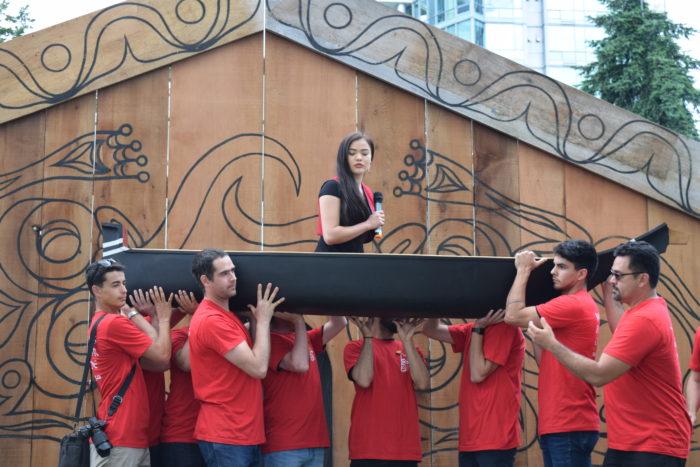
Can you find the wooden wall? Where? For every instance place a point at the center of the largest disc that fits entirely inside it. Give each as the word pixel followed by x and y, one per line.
pixel 228 148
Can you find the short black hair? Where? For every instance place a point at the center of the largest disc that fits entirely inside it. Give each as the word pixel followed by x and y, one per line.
pixel 643 258
pixel 203 263
pixel 581 253
pixel 95 273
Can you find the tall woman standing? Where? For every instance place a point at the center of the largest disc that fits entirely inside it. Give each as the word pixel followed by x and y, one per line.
pixel 346 217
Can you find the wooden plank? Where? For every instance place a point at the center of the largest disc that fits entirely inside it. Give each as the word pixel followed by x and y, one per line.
pixel 66 231
pixel 133 193
pixel 449 182
pixel 309 108
pixel 215 146
pixel 114 44
pixel 499 93
pixel 496 193
pixel 21 150
pixel 448 185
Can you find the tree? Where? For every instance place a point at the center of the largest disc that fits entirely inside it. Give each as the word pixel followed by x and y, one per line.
pixel 13 26
pixel 641 68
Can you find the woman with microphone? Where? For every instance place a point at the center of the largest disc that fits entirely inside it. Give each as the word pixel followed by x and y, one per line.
pixel 346 215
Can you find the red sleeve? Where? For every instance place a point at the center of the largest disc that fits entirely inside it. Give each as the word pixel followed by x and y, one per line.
pixel 178 337
pixel 316 339
pixel 632 340
pixel 280 345
pixel 695 358
pixel 351 354
pixel 560 311
pixel 459 334
pixel 128 337
pixel 498 342
pixel 220 335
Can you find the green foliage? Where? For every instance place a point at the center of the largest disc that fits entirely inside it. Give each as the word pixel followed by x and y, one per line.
pixel 13 26
pixel 641 68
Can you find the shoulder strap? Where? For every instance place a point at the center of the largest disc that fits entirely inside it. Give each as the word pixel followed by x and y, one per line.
pixel 117 399
pixel 86 369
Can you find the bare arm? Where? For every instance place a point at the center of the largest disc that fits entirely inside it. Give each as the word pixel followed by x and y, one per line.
pixel 692 394
pixel 434 329
pixel 254 361
pixel 333 326
pixel 363 371
pixel 182 357
pixel 333 232
pixel 613 308
pixel 297 360
pixel 419 372
pixel 517 314
pixel 480 367
pixel 157 356
pixel 597 373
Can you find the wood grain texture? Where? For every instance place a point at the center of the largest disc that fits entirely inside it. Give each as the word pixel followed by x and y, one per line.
pixel 310 102
pixel 216 143
pixel 114 44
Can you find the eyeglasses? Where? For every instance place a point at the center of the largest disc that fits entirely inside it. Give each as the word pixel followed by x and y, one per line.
pixel 619 275
pixel 106 262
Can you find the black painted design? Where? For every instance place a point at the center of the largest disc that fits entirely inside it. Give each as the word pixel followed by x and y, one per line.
pixel 92 63
pixel 36 308
pixel 403 43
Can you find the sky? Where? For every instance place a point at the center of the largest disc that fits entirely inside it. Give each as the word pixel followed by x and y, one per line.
pixel 49 12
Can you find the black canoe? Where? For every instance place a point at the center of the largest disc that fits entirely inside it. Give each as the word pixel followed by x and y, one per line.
pixel 358 284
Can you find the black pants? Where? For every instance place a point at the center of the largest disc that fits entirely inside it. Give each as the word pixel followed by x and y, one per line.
pixel 615 458
pixel 381 463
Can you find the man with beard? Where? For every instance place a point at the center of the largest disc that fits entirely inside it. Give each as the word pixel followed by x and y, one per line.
pixel 384 428
pixel 226 366
pixel 568 422
pixel 647 421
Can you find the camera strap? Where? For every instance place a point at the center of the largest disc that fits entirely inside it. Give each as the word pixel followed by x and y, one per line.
pixel 86 369
pixel 117 399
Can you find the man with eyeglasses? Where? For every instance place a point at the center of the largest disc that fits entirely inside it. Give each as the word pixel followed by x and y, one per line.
pixel 568 424
pixel 645 409
pixel 122 343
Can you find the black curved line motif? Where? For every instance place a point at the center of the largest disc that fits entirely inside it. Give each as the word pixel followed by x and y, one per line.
pixel 42 311
pixel 91 63
pixel 404 43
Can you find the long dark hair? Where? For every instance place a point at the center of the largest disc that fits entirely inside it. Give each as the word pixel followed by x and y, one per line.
pixel 354 205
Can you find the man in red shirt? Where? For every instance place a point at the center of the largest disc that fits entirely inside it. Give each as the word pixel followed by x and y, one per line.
pixel 644 405
pixel 386 374
pixel 123 343
pixel 226 366
pixel 692 386
pixel 489 391
pixel 568 423
pixel 295 420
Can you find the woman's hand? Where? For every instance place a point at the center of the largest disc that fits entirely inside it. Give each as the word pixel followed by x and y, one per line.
pixel 375 220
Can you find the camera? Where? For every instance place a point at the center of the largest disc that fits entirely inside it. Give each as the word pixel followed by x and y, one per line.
pixel 99 437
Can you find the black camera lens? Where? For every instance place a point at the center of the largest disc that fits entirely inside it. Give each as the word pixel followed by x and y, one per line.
pixel 99 437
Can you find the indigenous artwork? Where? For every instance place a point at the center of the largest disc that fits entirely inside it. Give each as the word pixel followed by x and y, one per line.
pixel 204 123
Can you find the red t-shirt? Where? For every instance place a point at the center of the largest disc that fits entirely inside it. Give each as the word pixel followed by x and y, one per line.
pixel 384 417
pixel 567 403
pixel 645 407
pixel 118 346
pixel 231 410
pixel 489 411
pixel 695 358
pixel 293 403
pixel 155 388
pixel 181 408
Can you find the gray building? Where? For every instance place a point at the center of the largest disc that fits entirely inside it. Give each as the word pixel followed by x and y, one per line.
pixel 548 36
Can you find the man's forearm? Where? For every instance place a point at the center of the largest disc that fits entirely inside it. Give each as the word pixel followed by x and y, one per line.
pixel 419 372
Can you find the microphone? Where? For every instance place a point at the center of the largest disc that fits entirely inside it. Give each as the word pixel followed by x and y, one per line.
pixel 378 200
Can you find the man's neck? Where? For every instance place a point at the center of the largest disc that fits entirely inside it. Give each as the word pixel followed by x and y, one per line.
pixel 221 302
pixel 644 295
pixel 106 308
pixel 576 288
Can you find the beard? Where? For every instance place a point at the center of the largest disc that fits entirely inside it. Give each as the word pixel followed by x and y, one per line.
pixel 388 324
